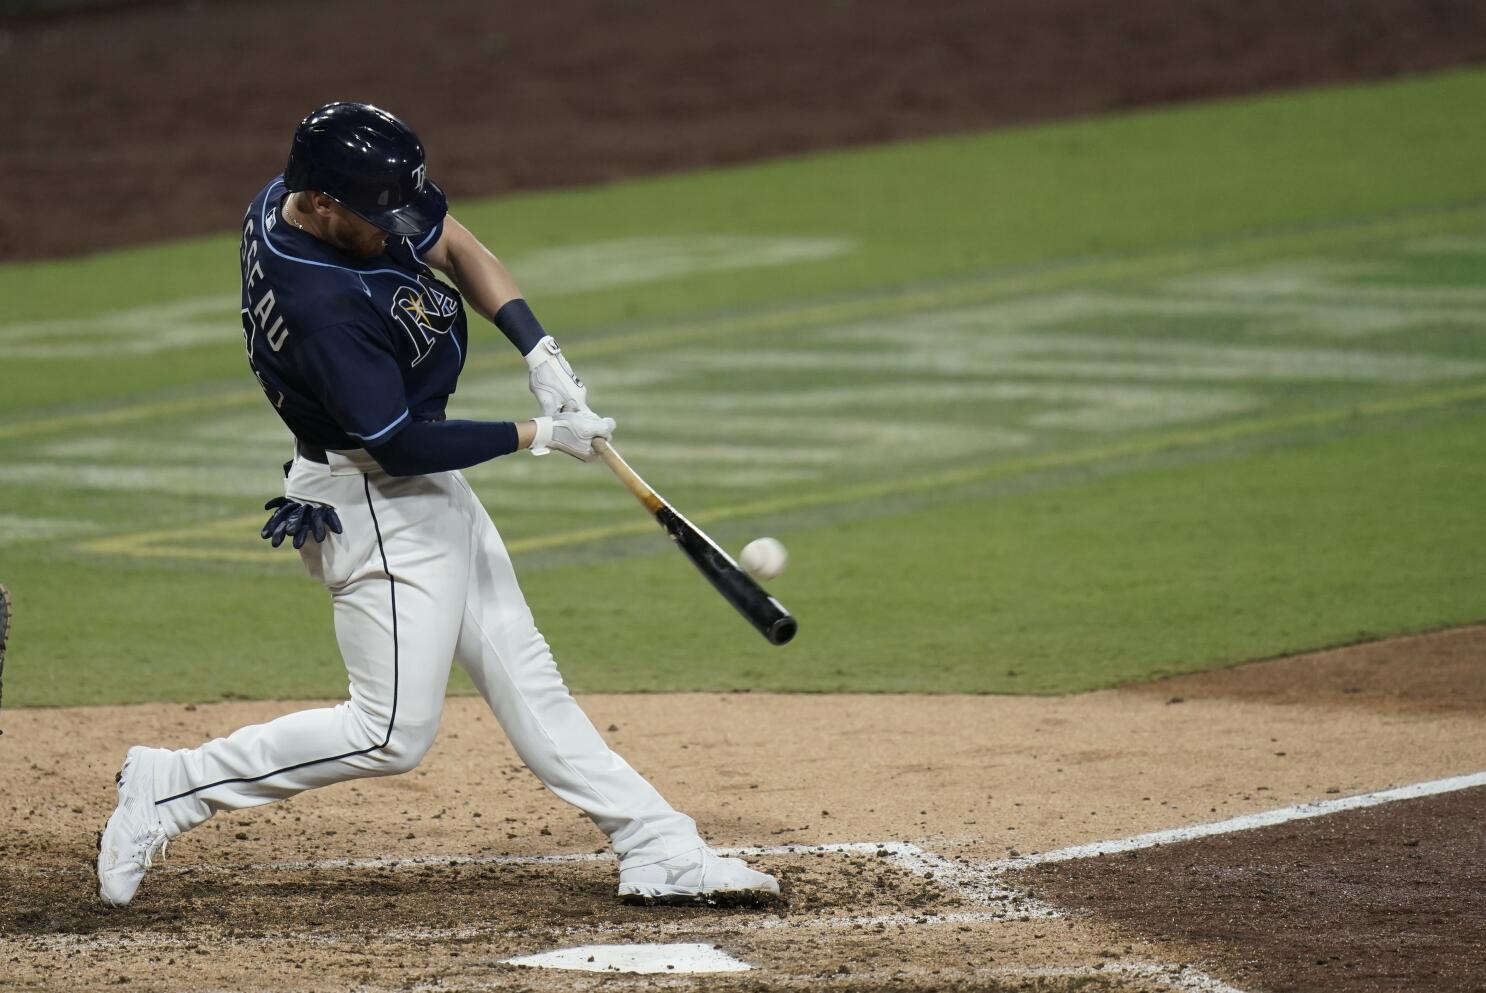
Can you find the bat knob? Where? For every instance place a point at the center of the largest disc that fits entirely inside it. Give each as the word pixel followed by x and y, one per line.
pixel 782 630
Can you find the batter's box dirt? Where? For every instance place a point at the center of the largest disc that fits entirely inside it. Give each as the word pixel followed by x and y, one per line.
pixel 425 916
pixel 1387 898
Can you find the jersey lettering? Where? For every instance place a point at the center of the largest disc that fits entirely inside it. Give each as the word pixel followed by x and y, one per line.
pixel 425 314
pixel 248 339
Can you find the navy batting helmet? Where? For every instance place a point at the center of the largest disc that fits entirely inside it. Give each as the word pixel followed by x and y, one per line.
pixel 369 162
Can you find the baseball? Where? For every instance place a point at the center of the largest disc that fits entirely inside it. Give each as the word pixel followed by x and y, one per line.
pixel 763 558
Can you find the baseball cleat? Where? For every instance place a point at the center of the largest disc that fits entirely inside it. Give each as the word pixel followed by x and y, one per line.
pixel 698 876
pixel 133 834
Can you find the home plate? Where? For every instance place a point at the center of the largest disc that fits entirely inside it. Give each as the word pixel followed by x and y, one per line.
pixel 635 958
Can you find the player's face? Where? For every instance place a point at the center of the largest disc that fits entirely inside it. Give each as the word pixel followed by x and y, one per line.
pixel 351 234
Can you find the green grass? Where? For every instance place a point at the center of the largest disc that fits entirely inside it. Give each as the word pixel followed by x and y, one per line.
pixel 1074 587
pixel 1063 407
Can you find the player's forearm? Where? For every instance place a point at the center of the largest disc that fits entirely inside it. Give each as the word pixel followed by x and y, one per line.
pixel 486 284
pixel 425 447
pixel 483 279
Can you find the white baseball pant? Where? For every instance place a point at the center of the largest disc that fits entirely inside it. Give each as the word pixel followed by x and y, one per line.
pixel 420 576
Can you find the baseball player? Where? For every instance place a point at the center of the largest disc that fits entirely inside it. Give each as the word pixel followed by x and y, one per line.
pixel 357 344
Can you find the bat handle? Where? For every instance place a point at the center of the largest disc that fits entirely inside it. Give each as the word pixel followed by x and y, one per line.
pixel 631 479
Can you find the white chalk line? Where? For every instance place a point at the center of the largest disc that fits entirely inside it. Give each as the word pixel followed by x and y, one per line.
pixel 1245 822
pixel 1177 977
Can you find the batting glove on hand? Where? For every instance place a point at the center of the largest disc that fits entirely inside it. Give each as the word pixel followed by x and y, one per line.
pixel 553 382
pixel 571 432
pixel 290 517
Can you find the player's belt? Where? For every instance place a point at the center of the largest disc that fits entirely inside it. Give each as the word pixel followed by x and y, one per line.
pixel 310 453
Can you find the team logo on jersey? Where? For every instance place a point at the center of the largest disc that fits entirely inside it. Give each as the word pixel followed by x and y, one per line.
pixel 425 314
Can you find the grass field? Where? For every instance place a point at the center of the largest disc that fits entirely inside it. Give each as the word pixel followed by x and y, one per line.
pixel 1035 411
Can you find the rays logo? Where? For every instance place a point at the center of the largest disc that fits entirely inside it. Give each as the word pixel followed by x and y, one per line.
pixel 420 176
pixel 426 314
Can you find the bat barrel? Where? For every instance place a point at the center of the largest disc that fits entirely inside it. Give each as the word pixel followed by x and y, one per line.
pixel 761 610
pixel 748 598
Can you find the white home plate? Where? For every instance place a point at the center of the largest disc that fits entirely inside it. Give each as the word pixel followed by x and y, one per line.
pixel 636 958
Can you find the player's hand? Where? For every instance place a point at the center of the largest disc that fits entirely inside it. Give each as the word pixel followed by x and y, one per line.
pixel 571 432
pixel 553 381
pixel 292 519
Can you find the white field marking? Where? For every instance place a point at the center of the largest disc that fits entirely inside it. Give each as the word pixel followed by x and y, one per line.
pixel 245 453
pixel 1092 407
pixel 632 261
pixel 152 328
pixel 1178 977
pixel 16 528
pixel 1447 244
pixel 942 353
pixel 972 881
pixel 1353 319
pixel 132 331
pixel 206 480
pixel 497 486
pixel 1245 822
pixel 950 440
pixel 1073 357
pixel 1319 284
pixel 166 543
pixel 993 341
pixel 1182 978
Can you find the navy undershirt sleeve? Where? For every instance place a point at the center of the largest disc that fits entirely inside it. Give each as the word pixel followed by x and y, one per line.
pixel 422 447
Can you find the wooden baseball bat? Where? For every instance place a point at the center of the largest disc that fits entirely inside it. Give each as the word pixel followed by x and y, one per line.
pixel 737 587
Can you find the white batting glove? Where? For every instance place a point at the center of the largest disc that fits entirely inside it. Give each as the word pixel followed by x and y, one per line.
pixel 571 432
pixel 553 382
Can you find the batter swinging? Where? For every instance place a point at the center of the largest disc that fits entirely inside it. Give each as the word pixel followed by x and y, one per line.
pixel 358 345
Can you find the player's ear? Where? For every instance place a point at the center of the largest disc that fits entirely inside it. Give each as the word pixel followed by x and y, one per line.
pixel 321 204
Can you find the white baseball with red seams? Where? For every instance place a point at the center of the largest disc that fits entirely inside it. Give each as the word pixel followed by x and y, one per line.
pixel 763 558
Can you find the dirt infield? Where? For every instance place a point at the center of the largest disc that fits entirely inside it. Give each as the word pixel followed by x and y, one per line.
pixel 158 120
pixel 1389 898
pixel 429 880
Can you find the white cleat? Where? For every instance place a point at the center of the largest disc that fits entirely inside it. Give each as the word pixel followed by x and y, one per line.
pixel 134 833
pixel 698 876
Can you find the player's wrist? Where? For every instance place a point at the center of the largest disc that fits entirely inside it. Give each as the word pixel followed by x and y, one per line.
pixel 520 326
pixel 535 434
pixel 544 351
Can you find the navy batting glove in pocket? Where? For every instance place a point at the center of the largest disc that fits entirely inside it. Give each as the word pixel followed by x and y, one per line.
pixel 292 519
